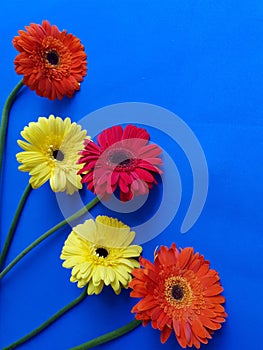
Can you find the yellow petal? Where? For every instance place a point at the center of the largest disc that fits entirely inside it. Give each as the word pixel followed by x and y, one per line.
pixel 87 230
pixel 96 276
pixel 58 180
pixel 116 286
pixel 91 289
pixel 113 233
pixel 98 289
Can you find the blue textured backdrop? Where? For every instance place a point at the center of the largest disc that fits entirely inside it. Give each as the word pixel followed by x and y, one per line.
pixel 203 61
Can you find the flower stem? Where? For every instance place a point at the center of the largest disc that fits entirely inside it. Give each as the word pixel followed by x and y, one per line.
pixel 109 336
pixel 4 122
pixel 14 223
pixel 49 233
pixel 46 324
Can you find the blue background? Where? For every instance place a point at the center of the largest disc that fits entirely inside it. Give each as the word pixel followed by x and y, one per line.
pixel 203 61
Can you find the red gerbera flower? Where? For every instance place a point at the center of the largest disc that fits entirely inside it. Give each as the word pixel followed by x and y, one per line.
pixel 179 293
pixel 53 63
pixel 122 159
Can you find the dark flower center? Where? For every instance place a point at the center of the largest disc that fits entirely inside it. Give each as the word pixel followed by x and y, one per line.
pixel 58 155
pixel 120 158
pixel 52 57
pixel 177 292
pixel 102 252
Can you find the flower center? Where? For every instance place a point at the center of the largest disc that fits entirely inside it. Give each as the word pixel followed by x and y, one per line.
pixel 102 252
pixel 120 157
pixel 52 57
pixel 58 155
pixel 177 292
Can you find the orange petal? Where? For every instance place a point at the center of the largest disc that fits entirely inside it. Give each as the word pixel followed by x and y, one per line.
pixel 152 275
pixel 218 308
pixel 203 269
pixel 213 290
pixel 139 273
pixel 137 294
pixel 209 313
pixel 146 263
pixel 184 257
pixel 208 323
pixel 187 332
pixel 176 327
pixel 195 341
pixel 195 264
pixel 161 255
pixel 217 299
pixel 182 342
pixel 208 281
pixel 156 313
pixel 147 303
pixel 165 334
pixel 198 328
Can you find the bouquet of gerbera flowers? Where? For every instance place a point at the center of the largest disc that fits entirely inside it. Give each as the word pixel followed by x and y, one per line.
pixel 179 293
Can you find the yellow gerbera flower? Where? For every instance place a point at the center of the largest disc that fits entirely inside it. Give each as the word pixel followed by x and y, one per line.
pixel 51 153
pixel 99 252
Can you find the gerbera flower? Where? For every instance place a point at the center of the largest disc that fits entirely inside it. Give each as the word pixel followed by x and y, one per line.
pixel 179 293
pixel 53 62
pixel 122 159
pixel 51 153
pixel 99 252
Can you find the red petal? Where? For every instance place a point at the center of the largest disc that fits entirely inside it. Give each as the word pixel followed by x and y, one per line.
pixel 123 186
pixel 125 197
pixel 134 186
pixel 132 131
pixel 149 151
pixel 110 136
pixel 114 178
pixel 144 175
pixel 126 177
pixel 145 165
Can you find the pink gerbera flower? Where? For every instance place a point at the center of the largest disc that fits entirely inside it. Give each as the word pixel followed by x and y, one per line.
pixel 124 159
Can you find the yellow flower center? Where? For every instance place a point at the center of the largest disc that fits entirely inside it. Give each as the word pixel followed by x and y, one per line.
pixel 178 292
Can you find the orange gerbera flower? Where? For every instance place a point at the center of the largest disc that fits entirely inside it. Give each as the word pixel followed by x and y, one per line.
pixel 53 63
pixel 179 293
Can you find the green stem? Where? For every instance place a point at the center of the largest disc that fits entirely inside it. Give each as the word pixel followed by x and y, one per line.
pixel 48 322
pixel 49 233
pixel 109 336
pixel 14 223
pixel 4 122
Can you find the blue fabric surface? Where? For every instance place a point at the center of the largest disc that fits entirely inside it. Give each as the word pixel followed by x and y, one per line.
pixel 202 60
